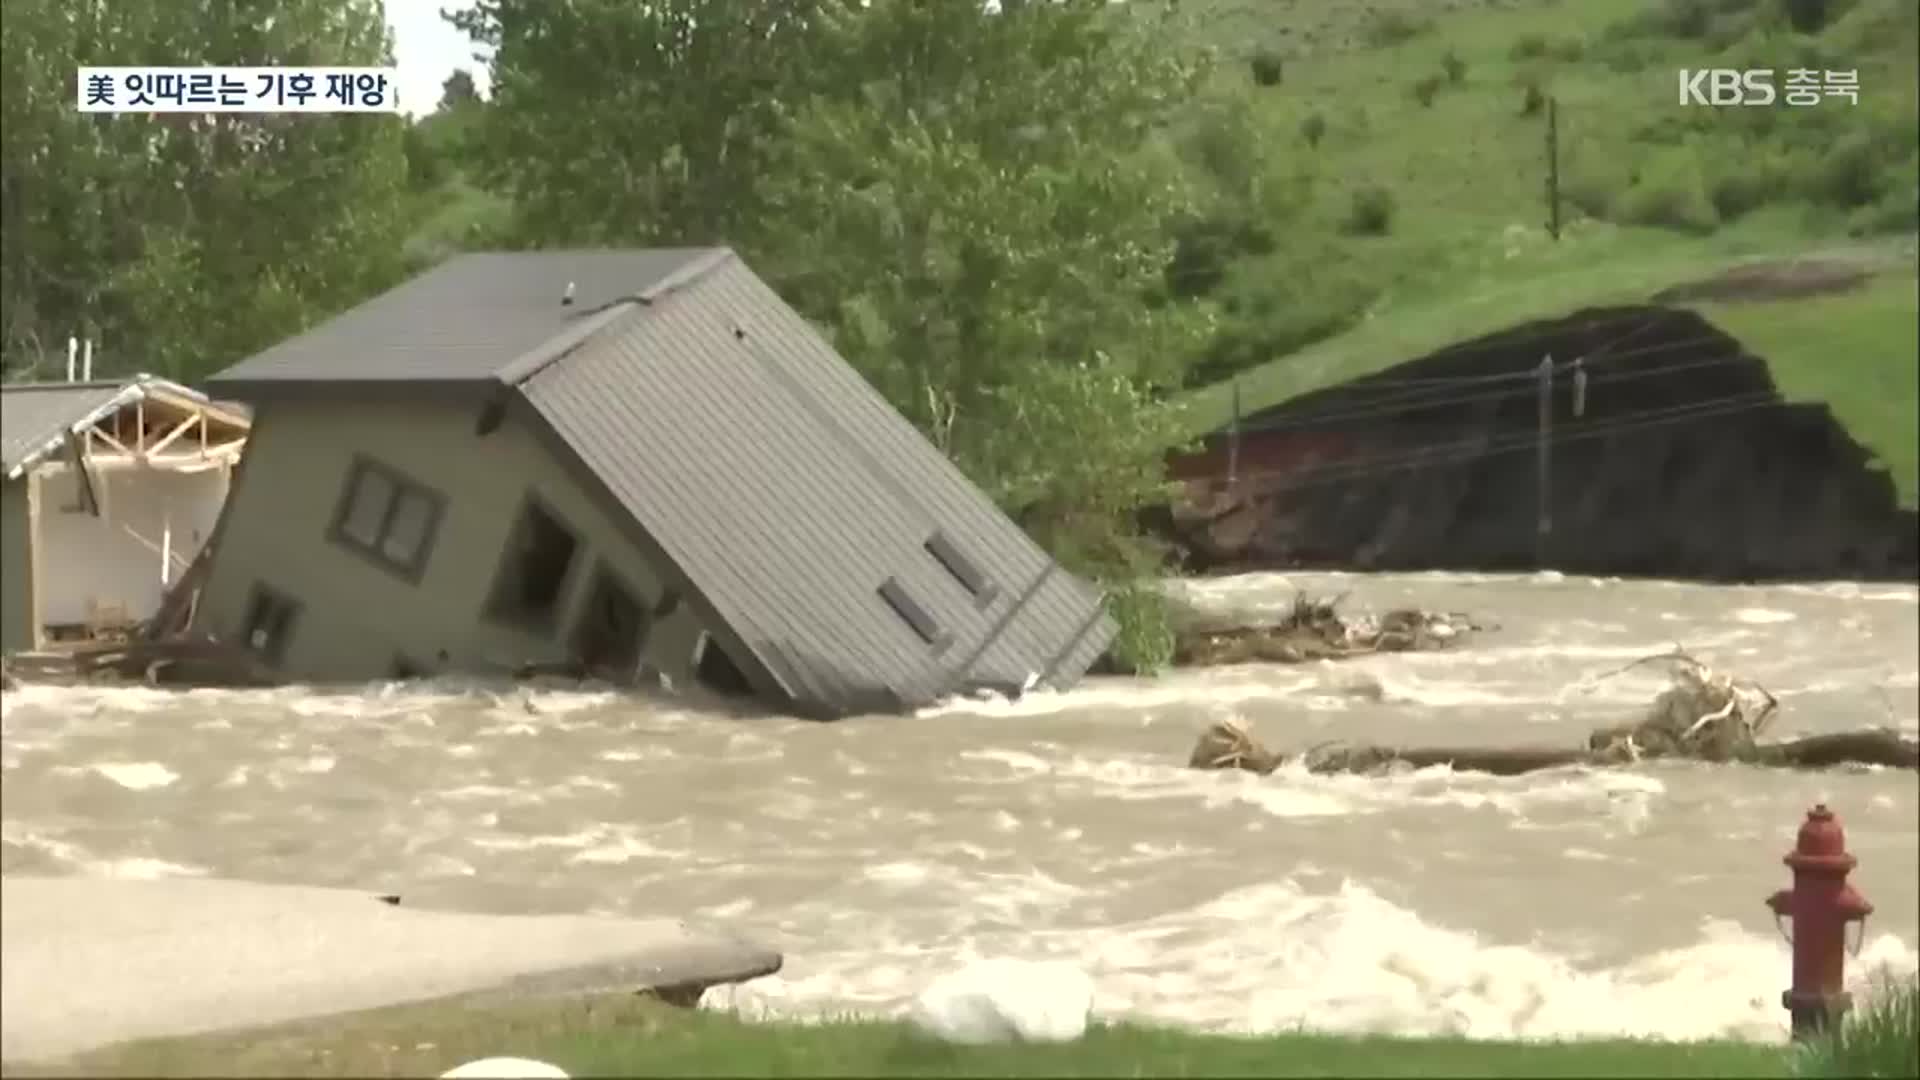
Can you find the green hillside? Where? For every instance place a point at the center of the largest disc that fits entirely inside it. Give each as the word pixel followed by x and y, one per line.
pixel 1387 195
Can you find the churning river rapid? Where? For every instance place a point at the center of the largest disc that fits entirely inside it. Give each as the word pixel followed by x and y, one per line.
pixel 877 853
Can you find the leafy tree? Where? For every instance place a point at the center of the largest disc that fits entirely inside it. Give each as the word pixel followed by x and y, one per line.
pixel 619 122
pixel 184 242
pixel 440 145
pixel 977 208
pixel 458 91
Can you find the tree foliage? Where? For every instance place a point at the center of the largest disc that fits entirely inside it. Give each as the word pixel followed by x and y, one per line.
pixel 614 122
pixel 184 242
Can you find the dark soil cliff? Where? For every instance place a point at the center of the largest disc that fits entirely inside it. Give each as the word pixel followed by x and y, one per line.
pixel 1677 459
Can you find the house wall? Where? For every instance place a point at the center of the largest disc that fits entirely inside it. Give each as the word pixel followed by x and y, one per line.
pixel 16 567
pixel 86 559
pixel 356 617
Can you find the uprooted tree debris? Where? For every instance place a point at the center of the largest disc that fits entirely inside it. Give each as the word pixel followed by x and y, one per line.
pixel 1314 629
pixel 1703 716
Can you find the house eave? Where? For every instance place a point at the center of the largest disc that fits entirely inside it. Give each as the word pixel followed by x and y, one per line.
pixel 139 388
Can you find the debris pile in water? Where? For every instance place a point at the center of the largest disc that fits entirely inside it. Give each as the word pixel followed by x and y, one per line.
pixel 1314 629
pixel 1703 715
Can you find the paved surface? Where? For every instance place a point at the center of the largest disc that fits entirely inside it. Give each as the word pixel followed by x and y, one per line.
pixel 85 962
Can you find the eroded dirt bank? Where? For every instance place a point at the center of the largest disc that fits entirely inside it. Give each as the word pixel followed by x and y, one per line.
pixel 1678 458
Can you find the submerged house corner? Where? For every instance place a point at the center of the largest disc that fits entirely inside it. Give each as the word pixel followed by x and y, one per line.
pixel 642 464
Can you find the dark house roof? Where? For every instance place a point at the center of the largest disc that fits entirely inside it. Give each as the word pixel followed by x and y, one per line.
pixel 465 320
pixel 36 417
pixel 816 526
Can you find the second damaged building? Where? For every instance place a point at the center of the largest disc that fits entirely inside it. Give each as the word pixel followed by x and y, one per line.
pixel 629 461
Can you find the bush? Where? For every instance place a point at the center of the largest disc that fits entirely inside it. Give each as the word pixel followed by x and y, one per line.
pixel 1528 47
pixel 1385 29
pixel 1144 642
pixel 1203 250
pixel 1684 19
pixel 1425 90
pixel 1317 286
pixel 1850 174
pixel 1594 187
pixel 1541 47
pixel 1454 67
pixel 1371 212
pixel 1313 128
pixel 1806 16
pixel 1266 67
pixel 1672 194
pixel 1898 212
pixel 1532 100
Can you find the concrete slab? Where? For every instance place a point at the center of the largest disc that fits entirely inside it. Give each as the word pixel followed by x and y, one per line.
pixel 86 962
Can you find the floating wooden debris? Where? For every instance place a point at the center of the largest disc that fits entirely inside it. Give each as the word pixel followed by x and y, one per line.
pixel 1314 629
pixel 1703 716
pixel 170 662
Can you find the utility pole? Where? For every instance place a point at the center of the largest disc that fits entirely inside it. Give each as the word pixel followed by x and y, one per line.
pixel 1233 443
pixel 1553 168
pixel 1544 461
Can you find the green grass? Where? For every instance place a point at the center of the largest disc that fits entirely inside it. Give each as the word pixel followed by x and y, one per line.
pixel 1654 194
pixel 629 1036
pixel 1856 351
pixel 1881 1038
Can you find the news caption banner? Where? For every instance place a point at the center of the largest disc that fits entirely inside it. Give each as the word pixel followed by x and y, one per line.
pixel 1758 86
pixel 238 90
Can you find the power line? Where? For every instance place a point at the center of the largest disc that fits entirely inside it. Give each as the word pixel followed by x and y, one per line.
pixel 1464 450
pixel 1644 323
pixel 1522 383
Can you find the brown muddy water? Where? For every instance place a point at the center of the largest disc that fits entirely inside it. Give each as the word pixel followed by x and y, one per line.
pixel 877 853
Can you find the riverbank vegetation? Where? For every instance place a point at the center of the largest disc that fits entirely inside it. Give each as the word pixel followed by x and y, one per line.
pixel 1882 1038
pixel 1062 239
pixel 628 1036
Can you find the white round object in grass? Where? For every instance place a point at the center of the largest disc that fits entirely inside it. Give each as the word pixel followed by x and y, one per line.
pixel 505 1068
pixel 1006 1000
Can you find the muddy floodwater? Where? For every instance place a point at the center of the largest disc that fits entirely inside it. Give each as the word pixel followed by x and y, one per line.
pixel 878 852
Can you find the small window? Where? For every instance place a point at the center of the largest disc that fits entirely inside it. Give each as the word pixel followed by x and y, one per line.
pixel 269 623
pixel 534 571
pixel 388 518
pixel 716 671
pixel 611 631
pixel 962 568
pixel 912 613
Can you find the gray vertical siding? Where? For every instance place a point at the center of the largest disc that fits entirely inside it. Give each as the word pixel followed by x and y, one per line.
pixel 782 484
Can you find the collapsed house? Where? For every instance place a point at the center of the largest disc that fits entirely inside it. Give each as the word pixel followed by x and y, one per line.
pixel 632 462
pixel 110 489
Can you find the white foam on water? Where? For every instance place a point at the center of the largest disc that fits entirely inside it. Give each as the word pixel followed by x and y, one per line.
pixel 562 702
pixel 1762 616
pixel 1219 687
pixel 134 775
pixel 1853 590
pixel 1275 957
pixel 510 796
pixel 616 845
pixel 1292 792
pixel 141 869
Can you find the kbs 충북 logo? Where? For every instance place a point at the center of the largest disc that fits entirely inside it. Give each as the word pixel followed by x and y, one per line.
pixel 1758 86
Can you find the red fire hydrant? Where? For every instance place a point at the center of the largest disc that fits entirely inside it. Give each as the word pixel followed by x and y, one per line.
pixel 1821 904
